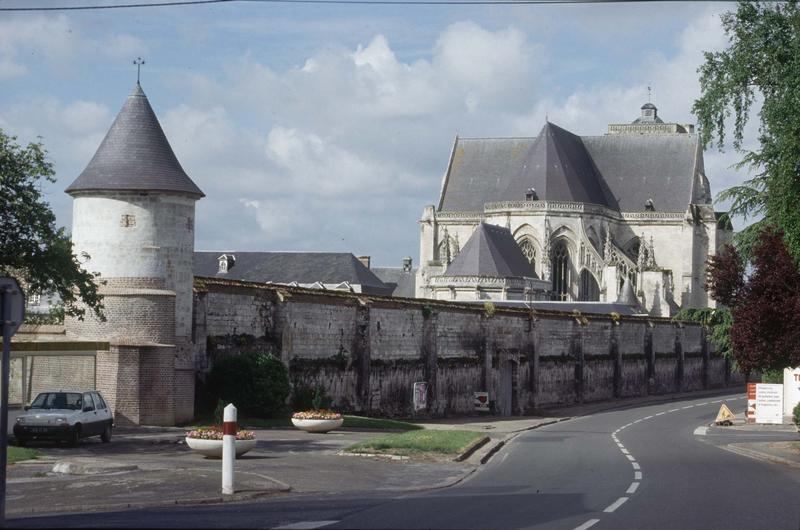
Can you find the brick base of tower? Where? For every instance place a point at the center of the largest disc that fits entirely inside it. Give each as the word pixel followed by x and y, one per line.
pixel 147 376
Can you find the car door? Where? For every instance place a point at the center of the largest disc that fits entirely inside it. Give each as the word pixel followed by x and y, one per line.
pixel 103 412
pixel 91 423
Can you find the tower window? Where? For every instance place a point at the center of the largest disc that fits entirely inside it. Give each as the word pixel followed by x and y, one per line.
pixel 127 220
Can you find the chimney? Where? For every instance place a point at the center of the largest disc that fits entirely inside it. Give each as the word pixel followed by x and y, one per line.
pixel 364 260
pixel 407 264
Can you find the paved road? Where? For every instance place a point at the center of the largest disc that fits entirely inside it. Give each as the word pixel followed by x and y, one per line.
pixel 643 467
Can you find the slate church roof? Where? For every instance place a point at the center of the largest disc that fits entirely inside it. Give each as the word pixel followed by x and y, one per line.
pixel 305 268
pixel 619 171
pixel 491 251
pixel 135 155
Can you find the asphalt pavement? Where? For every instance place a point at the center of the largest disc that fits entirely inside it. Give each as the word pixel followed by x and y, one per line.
pixel 547 472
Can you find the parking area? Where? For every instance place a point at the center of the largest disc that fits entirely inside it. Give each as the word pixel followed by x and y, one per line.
pixel 142 467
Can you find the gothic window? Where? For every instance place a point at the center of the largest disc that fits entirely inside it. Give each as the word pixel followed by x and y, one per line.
pixel 588 290
pixel 529 251
pixel 560 270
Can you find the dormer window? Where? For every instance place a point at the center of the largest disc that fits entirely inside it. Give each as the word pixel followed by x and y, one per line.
pixel 531 195
pixel 649 205
pixel 226 263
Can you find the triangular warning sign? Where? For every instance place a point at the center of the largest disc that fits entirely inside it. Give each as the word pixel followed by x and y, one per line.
pixel 725 416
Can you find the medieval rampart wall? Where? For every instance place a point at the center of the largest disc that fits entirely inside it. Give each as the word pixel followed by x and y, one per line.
pixel 368 351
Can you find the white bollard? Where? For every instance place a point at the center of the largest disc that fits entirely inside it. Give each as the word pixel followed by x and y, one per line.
pixel 228 448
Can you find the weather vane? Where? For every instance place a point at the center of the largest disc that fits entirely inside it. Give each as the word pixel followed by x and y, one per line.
pixel 138 62
pixel 648 94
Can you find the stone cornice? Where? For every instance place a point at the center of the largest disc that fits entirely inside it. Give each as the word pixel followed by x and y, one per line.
pixel 557 207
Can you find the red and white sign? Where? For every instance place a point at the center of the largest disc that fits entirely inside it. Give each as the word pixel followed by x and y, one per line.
pixel 791 390
pixel 750 413
pixel 482 401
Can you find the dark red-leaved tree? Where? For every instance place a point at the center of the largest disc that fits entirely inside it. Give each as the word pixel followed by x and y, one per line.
pixel 766 306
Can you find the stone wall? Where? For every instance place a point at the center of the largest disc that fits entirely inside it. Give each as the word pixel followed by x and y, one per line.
pixel 367 351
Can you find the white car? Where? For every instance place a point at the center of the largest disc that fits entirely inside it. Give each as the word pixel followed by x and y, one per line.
pixel 65 415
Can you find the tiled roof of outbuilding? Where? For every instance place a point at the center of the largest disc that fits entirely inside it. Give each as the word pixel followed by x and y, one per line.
pixel 135 155
pixel 402 282
pixel 287 267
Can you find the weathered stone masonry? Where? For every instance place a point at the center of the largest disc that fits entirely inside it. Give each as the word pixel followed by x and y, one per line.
pixel 367 351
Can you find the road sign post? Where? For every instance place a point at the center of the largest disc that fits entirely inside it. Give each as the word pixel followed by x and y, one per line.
pixel 12 309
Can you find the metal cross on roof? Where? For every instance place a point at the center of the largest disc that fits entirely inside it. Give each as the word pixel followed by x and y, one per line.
pixel 138 62
pixel 648 94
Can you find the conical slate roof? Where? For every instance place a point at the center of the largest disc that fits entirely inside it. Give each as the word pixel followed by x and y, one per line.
pixel 626 295
pixel 135 155
pixel 491 251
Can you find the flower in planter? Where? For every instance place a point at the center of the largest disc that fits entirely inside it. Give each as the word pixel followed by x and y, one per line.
pixel 215 433
pixel 321 414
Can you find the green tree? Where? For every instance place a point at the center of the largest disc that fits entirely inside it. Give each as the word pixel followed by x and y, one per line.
pixel 761 63
pixel 35 251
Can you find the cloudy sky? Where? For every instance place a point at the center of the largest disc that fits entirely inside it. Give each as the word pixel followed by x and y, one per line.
pixel 328 127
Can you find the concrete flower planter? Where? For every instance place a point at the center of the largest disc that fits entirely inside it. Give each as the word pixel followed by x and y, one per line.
pixel 317 425
pixel 213 448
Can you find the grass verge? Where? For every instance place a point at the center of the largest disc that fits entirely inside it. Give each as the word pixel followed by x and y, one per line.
pixel 16 454
pixel 419 442
pixel 353 422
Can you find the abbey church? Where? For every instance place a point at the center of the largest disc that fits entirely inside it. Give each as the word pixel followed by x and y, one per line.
pixel 619 225
pixel 589 213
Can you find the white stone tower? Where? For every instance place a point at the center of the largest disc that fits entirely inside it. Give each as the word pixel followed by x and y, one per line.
pixel 133 213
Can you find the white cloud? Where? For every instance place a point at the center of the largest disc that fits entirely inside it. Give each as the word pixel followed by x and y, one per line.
pixel 57 41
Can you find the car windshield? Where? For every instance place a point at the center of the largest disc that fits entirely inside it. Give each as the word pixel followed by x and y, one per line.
pixel 58 400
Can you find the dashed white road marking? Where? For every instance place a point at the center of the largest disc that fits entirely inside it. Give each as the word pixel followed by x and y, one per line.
pixel 306 525
pixel 637 474
pixel 619 502
pixel 588 524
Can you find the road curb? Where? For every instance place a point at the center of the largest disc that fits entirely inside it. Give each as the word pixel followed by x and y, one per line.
pixel 473 447
pixel 758 455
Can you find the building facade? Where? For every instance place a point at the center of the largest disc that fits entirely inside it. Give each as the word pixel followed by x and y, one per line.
pixel 586 211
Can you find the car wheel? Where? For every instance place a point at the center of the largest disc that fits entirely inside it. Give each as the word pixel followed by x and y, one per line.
pixel 75 435
pixel 106 436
